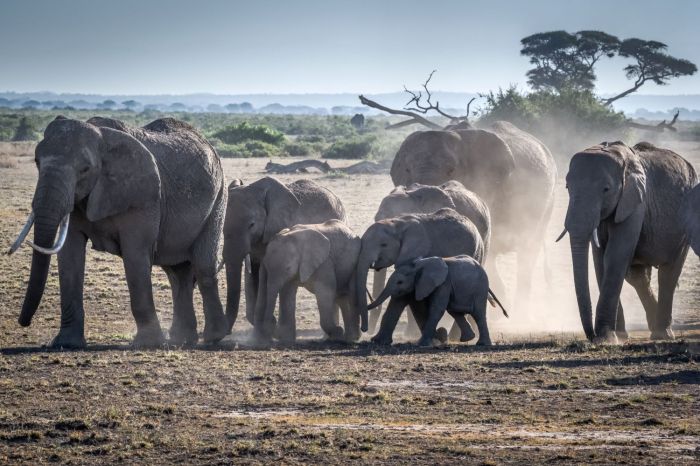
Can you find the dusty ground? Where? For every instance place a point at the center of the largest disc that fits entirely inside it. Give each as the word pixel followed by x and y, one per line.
pixel 541 395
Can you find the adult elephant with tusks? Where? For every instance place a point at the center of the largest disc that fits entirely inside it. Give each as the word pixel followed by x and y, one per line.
pixel 254 215
pixel 153 196
pixel 626 201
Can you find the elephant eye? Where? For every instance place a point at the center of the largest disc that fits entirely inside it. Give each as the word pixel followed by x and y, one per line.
pixel 252 224
pixel 606 189
pixel 383 245
pixel 84 170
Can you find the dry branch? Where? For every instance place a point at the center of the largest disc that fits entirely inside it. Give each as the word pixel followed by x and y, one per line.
pixel 657 128
pixel 415 118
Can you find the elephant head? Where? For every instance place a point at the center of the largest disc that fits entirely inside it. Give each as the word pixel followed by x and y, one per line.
pixel 476 157
pixel 101 170
pixel 385 243
pixel 606 181
pixel 420 277
pixel 416 198
pixel 254 214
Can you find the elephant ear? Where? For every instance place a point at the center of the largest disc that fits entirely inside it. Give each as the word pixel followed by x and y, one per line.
pixel 633 185
pixel 488 158
pixel 280 206
pixel 129 178
pixel 431 273
pixel 414 240
pixel 314 249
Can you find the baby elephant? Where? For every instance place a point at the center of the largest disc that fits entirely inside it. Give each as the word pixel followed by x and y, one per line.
pixel 432 285
pixel 322 258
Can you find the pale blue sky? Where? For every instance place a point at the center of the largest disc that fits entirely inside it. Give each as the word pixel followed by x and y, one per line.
pixel 264 46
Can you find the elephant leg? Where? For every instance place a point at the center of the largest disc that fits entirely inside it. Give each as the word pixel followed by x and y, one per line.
pixel 71 274
pixel 413 326
pixel 480 318
pixel 287 327
pixel 252 282
pixel 351 321
pixel 215 321
pixel 325 300
pixel 183 330
pixel 389 320
pixel 433 315
pixel 465 329
pixel 639 276
pixel 598 254
pixel 137 265
pixel 668 280
pixel 377 287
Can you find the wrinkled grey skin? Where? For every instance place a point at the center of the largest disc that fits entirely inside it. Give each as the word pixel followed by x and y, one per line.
pixel 431 286
pixel 154 196
pixel 511 170
pixel 632 196
pixel 690 215
pixel 254 215
pixel 321 258
pixel 425 199
pixel 402 239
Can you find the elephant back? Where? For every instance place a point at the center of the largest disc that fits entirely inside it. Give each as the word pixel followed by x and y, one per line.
pixel 318 204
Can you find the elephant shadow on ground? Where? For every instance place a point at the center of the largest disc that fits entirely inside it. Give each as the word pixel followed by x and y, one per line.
pixel 690 377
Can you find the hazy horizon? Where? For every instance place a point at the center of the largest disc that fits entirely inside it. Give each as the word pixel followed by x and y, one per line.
pixel 310 46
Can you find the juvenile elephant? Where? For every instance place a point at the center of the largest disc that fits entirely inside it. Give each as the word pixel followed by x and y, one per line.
pixel 254 215
pixel 153 195
pixel 626 199
pixel 425 199
pixel 322 259
pixel 690 216
pixel 511 170
pixel 402 239
pixel 431 286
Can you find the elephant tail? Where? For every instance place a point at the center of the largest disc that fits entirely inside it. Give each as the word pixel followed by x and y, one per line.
pixel 494 300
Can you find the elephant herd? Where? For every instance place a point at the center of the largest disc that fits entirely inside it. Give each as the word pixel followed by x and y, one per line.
pixel 156 195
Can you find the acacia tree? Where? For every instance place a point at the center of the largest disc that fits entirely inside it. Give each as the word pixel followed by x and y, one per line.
pixel 652 64
pixel 566 61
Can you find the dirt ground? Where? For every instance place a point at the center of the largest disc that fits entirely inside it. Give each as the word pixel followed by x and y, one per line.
pixel 540 395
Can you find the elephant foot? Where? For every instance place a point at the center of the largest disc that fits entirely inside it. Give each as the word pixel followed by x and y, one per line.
pixel 183 336
pixel 351 337
pixel 484 342
pixel 285 335
pixel 665 334
pixel 441 335
pixel 214 333
pixel 69 339
pixel 335 334
pixel 622 335
pixel 606 337
pixel 148 337
pixel 382 340
pixel 260 340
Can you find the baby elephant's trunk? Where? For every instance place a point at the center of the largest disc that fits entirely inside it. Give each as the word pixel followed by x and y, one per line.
pixel 492 297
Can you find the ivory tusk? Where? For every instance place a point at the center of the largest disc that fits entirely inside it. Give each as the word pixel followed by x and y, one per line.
pixel 596 241
pixel 62 234
pixel 561 236
pixel 248 267
pixel 22 234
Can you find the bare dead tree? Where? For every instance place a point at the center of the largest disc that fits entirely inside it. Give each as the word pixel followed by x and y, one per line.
pixel 659 128
pixel 418 105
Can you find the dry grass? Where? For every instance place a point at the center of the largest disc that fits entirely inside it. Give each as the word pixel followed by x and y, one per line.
pixel 539 397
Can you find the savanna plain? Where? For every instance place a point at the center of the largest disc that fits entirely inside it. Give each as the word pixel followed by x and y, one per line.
pixel 541 394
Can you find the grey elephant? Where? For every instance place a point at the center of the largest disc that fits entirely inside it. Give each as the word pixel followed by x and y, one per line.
pixel 626 200
pixel 425 199
pixel 254 215
pixel 431 286
pixel 321 258
pixel 690 216
pixel 153 196
pixel 402 239
pixel 511 170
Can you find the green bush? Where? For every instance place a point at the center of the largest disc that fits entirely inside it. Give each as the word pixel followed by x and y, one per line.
pixel 246 132
pixel 356 148
pixel 249 149
pixel 297 149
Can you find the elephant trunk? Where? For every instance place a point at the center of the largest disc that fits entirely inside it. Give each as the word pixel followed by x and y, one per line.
pixel 579 258
pixel 364 262
pixel 377 287
pixel 383 296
